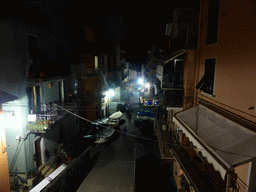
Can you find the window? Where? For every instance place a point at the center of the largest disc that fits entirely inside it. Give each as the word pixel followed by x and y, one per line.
pixel 96 62
pixel 178 73
pixel 206 84
pixel 34 99
pixel 213 21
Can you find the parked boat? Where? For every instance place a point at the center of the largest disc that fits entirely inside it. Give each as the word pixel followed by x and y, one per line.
pixel 100 134
pixel 104 135
pixel 116 115
pixel 104 132
pixel 111 121
pixel 108 122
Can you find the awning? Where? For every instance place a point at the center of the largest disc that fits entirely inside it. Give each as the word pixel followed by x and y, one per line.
pixel 5 97
pixel 224 142
pixel 175 55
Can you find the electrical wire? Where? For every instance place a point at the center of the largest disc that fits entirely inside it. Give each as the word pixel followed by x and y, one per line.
pixel 170 144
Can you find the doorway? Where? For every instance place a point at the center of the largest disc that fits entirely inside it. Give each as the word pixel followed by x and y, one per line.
pixel 38 157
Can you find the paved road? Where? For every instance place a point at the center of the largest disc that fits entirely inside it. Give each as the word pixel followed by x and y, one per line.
pixel 115 166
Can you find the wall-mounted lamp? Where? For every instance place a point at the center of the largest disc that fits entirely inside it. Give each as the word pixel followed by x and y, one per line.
pixel 251 107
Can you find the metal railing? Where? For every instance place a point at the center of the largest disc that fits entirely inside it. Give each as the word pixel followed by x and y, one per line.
pixel 50 111
pixel 63 181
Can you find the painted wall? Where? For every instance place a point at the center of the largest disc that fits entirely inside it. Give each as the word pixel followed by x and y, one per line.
pixel 242 171
pixel 235 73
pixel 235 57
pixel 4 170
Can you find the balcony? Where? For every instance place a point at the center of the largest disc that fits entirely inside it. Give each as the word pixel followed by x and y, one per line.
pixel 201 174
pixel 41 122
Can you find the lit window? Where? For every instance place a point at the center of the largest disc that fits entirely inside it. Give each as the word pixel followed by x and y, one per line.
pixel 96 62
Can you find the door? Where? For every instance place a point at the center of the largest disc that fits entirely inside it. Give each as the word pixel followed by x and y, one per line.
pixel 38 158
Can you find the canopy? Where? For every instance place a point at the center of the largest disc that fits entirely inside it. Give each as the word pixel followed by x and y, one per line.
pixel 227 141
pixel 5 97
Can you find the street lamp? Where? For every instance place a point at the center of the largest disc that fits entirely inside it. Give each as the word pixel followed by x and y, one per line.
pixel 140 81
pixel 110 93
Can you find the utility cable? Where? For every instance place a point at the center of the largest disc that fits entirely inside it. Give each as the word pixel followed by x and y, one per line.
pixel 170 144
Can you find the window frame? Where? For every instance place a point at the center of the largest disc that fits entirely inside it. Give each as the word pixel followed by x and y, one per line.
pixel 202 83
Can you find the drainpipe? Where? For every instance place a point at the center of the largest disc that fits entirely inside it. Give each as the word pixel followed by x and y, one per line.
pixel 228 178
pixel 198 52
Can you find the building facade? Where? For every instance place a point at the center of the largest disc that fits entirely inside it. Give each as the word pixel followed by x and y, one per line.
pixel 212 137
pixel 25 51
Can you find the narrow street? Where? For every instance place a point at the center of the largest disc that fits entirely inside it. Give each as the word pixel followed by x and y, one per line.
pixel 126 160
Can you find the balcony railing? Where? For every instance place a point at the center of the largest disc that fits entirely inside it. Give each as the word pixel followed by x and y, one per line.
pixel 43 121
pixel 65 180
pixel 189 158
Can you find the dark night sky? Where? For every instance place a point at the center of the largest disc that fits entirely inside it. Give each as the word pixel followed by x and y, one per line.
pixel 140 28
pixel 141 31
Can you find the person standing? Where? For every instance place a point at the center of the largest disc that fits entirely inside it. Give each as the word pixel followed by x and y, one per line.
pixel 124 131
pixel 129 114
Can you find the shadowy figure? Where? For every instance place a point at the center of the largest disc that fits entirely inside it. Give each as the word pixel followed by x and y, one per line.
pixel 129 114
pixel 124 131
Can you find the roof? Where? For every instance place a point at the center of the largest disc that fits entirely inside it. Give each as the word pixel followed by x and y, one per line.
pixel 228 141
pixel 6 97
pixel 175 55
